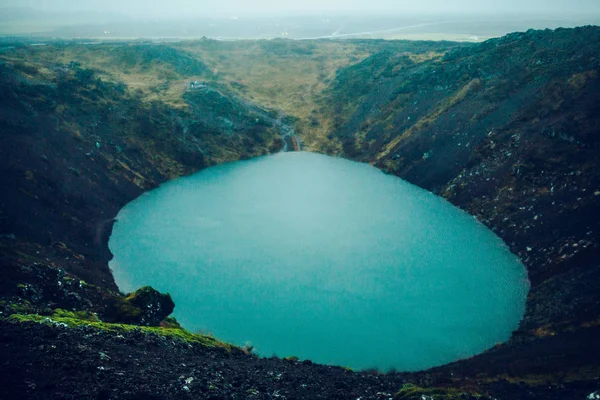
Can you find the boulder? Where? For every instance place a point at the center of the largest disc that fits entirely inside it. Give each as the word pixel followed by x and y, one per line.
pixel 146 306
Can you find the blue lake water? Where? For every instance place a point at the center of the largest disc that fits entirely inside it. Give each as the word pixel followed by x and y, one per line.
pixel 306 255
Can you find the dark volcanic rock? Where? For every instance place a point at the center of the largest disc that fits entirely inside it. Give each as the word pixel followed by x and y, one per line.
pixel 146 306
pixel 509 131
pixel 74 149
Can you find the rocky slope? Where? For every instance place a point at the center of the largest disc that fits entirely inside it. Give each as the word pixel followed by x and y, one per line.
pixel 506 130
pixel 75 149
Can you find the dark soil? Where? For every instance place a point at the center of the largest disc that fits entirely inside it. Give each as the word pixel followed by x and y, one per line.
pixel 43 362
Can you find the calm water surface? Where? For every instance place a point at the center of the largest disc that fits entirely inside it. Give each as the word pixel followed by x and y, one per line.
pixel 322 258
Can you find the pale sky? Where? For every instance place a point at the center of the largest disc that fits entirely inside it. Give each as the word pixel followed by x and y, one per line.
pixel 170 8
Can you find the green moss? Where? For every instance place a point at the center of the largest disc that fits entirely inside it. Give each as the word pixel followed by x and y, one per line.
pixel 81 282
pixel 414 392
pixel 143 291
pixel 291 358
pixel 124 310
pixel 70 319
pixel 81 315
pixel 145 306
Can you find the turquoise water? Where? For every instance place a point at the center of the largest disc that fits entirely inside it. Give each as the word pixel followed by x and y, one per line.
pixel 324 259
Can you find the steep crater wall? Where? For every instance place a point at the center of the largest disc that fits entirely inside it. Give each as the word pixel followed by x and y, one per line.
pixel 507 130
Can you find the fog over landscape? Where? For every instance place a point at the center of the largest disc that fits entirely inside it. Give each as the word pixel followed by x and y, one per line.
pixel 186 8
pixel 461 20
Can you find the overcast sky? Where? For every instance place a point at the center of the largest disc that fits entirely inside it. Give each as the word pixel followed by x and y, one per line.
pixel 244 7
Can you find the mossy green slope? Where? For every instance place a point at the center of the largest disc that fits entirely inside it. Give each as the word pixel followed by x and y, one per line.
pixel 69 319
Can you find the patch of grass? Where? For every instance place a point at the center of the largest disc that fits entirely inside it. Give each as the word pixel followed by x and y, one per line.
pixel 289 76
pixel 286 76
pixel 72 320
pixel 159 72
pixel 289 81
pixel 80 315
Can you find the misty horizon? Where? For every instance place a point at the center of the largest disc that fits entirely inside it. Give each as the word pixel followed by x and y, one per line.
pixel 465 20
pixel 187 9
